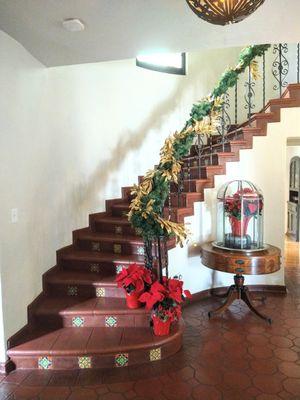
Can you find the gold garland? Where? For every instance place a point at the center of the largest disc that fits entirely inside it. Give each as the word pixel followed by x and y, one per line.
pixel 207 126
pixel 169 166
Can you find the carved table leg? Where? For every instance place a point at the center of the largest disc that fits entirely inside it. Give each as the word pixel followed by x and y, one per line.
pixel 240 292
pixel 246 298
pixel 232 295
pixel 221 296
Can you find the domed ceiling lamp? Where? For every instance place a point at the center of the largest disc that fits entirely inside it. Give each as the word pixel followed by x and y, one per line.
pixel 224 12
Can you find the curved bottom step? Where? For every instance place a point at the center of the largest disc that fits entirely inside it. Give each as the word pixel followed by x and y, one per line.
pixel 78 348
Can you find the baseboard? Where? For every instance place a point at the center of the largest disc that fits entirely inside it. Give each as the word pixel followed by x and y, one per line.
pixel 6 367
pixel 205 294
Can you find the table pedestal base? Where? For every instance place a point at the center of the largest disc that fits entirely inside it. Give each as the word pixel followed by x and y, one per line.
pixel 238 292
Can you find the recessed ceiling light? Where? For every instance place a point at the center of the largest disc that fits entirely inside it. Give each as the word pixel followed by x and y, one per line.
pixel 73 25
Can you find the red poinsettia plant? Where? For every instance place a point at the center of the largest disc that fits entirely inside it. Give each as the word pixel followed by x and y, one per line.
pixel 135 278
pixel 251 204
pixel 165 299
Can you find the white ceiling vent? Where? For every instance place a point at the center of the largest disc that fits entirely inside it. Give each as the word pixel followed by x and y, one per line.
pixel 73 25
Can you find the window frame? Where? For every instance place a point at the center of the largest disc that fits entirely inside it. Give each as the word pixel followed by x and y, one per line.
pixel 165 69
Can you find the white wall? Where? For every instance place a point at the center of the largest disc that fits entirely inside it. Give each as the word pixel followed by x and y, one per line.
pixel 25 183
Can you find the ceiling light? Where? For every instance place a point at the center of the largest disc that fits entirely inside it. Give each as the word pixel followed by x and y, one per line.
pixel 73 25
pixel 224 12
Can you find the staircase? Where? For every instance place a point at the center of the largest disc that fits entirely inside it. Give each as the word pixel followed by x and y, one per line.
pixel 81 320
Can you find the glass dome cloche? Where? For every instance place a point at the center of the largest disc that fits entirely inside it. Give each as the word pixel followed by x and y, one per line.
pixel 240 217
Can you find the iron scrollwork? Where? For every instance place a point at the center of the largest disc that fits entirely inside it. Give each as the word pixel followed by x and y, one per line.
pixel 280 66
pixel 224 120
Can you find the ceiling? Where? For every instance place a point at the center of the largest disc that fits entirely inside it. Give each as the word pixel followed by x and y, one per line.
pixel 118 29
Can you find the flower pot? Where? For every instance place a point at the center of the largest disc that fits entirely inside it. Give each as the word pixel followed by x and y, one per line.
pixel 161 328
pixel 239 227
pixel 132 300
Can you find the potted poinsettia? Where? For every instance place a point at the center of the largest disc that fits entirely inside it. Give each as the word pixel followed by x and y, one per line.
pixel 165 300
pixel 134 279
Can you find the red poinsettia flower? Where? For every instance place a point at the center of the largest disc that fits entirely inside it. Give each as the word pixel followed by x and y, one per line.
pixel 165 298
pixel 134 278
pixel 156 294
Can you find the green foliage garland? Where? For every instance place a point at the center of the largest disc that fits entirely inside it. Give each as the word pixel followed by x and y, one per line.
pixel 146 209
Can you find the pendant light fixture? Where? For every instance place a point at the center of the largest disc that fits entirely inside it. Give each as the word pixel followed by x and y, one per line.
pixel 224 12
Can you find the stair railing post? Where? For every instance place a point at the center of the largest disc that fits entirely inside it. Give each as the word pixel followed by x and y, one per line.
pixel 169 202
pixel 162 257
pixel 249 95
pixel 224 120
pixel 236 103
pixel 264 80
pixel 298 62
pixel 180 187
pixel 148 254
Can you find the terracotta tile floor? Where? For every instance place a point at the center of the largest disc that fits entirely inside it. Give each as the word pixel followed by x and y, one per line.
pixel 232 357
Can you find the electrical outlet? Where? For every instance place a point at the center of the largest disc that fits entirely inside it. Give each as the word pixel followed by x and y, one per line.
pixel 14 215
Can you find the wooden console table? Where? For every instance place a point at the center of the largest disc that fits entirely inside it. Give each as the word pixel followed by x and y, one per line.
pixel 240 263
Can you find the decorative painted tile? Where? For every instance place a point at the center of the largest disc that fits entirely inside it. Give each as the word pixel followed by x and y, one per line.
pixel 155 354
pixel 45 362
pixel 118 230
pixel 95 268
pixel 117 249
pixel 100 292
pixel 111 321
pixel 77 322
pixel 138 231
pixel 95 246
pixel 119 268
pixel 121 360
pixel 140 250
pixel 72 291
pixel 84 362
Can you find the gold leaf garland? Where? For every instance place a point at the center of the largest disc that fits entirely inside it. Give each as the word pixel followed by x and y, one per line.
pixel 254 70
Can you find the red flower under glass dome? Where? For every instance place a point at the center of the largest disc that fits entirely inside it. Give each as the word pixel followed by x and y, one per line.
pixel 240 216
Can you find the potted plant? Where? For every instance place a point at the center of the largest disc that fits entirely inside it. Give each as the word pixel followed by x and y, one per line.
pixel 134 280
pixel 240 208
pixel 165 300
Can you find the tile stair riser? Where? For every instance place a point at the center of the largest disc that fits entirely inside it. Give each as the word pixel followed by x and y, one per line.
pixel 106 227
pixel 83 290
pixel 70 362
pixel 184 200
pixel 95 321
pixel 109 247
pixel 105 268
pixel 196 174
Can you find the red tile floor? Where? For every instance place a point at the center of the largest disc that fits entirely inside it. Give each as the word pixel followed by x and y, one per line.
pixel 232 357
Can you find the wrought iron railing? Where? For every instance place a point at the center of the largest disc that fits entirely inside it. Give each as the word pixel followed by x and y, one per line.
pixel 279 66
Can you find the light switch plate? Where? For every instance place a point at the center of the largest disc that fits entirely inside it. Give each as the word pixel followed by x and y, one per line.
pixel 14 215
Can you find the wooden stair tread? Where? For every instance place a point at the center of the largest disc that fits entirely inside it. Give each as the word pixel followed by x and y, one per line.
pixel 121 205
pixel 111 219
pixel 94 256
pixel 80 278
pixel 74 305
pixel 89 341
pixel 86 233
